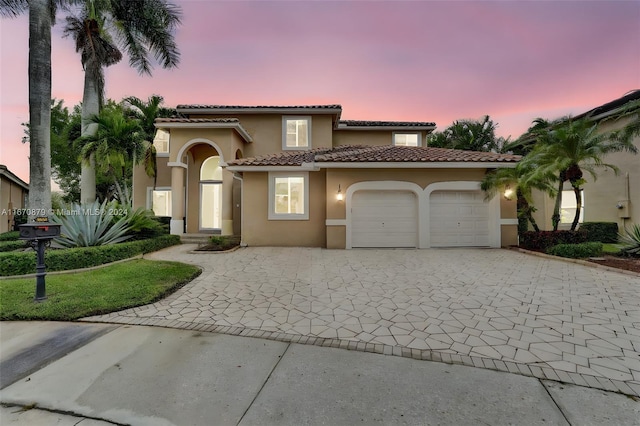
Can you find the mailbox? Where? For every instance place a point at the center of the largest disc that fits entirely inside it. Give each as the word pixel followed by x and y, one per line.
pixel 39 231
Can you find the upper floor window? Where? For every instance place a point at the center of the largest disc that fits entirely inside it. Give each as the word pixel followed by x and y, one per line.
pixel 407 139
pixel 161 142
pixel 296 132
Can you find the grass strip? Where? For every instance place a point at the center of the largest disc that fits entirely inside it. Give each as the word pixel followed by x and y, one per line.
pixel 113 288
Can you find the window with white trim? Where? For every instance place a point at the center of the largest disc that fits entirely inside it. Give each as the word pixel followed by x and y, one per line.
pixel 568 207
pixel 159 200
pixel 296 132
pixel 288 196
pixel 161 142
pixel 407 139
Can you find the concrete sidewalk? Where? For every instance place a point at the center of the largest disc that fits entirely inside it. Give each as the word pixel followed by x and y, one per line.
pixel 155 376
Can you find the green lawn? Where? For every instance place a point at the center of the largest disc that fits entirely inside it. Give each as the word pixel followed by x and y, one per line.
pixel 613 249
pixel 112 288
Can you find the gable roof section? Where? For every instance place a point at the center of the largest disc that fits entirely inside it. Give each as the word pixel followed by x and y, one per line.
pixel 203 123
pixel 378 157
pixel 610 107
pixel 384 125
pixel 8 174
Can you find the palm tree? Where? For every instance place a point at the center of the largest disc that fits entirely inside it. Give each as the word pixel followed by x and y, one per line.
pixel 41 18
pixel 141 27
pixel 519 178
pixel 146 114
pixel 473 135
pixel 568 147
pixel 117 140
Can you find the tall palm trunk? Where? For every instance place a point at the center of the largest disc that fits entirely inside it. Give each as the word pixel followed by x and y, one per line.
pixel 525 209
pixel 90 108
pixel 39 108
pixel 578 192
pixel 555 219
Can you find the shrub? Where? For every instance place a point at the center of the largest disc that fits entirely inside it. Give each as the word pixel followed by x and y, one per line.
pixel 605 232
pixel 90 225
pixel 544 239
pixel 577 251
pixel 12 245
pixel 631 241
pixel 81 257
pixel 10 236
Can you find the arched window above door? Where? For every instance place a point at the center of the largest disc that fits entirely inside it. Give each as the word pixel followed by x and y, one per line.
pixel 211 169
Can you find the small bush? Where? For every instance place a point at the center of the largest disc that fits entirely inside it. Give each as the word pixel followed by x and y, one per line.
pixel 81 257
pixel 577 251
pixel 10 236
pixel 12 245
pixel 542 240
pixel 605 232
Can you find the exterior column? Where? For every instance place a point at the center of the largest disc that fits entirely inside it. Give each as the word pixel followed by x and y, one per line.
pixel 227 203
pixel 176 225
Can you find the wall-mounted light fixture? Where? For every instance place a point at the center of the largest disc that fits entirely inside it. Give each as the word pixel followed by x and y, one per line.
pixel 339 195
pixel 508 193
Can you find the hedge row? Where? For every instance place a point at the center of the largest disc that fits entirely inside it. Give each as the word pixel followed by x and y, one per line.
pixel 577 251
pixel 542 240
pixel 605 232
pixel 10 236
pixel 20 263
pixel 12 245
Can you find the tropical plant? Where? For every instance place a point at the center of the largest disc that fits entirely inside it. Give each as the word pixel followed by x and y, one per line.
pixel 520 180
pixel 116 141
pixel 472 135
pixel 567 148
pixel 140 27
pixel 631 241
pixel 90 225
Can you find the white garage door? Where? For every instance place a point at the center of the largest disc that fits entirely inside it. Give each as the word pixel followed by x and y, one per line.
pixel 384 219
pixel 458 219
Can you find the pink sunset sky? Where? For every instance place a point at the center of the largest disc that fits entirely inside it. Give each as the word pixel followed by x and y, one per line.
pixel 384 60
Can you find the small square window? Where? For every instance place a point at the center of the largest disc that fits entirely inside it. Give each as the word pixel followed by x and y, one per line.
pixel 407 139
pixel 161 142
pixel 296 133
pixel 288 196
pixel 160 202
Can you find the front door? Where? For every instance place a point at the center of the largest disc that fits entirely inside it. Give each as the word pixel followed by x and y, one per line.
pixel 211 195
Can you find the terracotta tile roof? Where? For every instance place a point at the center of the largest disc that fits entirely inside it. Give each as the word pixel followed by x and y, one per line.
pixel 236 107
pixel 369 123
pixel 376 154
pixel 197 120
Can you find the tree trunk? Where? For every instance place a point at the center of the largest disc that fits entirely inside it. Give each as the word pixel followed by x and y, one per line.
pixel 555 219
pixel 576 218
pixel 39 108
pixel 90 108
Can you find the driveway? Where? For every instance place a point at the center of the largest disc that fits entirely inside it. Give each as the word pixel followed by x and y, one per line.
pixel 488 308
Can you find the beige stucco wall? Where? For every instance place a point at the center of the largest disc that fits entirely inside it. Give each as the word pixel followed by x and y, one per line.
pixel 11 197
pixel 258 230
pixel 141 181
pixel 368 137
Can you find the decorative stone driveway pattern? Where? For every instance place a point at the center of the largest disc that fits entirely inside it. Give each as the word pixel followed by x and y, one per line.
pixel 488 308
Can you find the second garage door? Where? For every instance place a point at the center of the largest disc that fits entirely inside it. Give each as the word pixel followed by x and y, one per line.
pixel 384 219
pixel 458 219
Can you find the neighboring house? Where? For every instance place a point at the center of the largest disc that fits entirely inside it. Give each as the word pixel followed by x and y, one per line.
pixel 13 196
pixel 300 176
pixel 611 197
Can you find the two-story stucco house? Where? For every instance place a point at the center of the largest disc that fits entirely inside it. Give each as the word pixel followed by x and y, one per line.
pixel 301 176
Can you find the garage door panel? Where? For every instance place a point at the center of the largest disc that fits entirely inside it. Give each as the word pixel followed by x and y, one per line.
pixel 458 219
pixel 384 219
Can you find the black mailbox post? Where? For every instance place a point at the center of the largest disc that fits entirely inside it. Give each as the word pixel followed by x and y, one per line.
pixel 39 234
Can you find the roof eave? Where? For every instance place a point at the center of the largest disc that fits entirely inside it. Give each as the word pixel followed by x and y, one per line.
pixel 235 126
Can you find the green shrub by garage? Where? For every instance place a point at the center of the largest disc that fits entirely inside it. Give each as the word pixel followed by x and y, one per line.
pixel 577 251
pixel 20 263
pixel 605 232
pixel 542 240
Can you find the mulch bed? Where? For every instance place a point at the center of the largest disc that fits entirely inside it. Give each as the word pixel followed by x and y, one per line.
pixel 626 263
